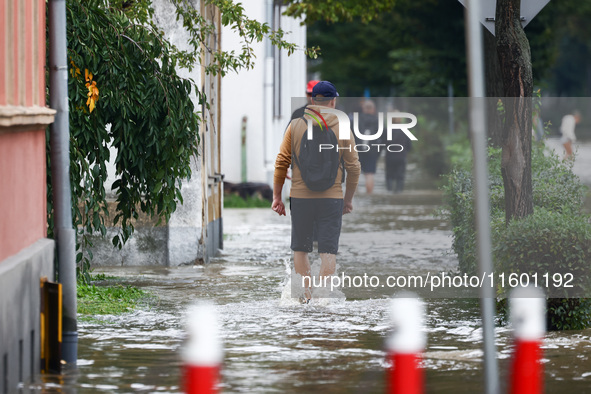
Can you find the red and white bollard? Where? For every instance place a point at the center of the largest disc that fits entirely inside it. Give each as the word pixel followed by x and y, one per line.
pixel 405 346
pixel 203 354
pixel 528 316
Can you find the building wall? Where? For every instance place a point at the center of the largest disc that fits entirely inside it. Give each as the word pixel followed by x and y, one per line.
pixel 192 233
pixel 22 52
pixel 262 95
pixel 211 177
pixel 25 254
pixel 22 190
pixel 20 307
pixel 23 117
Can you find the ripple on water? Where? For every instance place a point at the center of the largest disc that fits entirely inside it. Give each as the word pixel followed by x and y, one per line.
pixel 274 344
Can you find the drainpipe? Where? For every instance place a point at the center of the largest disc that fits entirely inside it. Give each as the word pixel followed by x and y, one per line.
pixel 243 151
pixel 60 174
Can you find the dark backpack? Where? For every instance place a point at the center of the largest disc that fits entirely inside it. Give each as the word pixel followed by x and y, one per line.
pixel 319 169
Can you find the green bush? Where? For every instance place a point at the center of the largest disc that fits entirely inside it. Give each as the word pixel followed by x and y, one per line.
pixel 107 300
pixel 545 242
pixel 430 148
pixel 235 201
pixel 555 189
pixel 459 198
pixel 555 238
pixel 568 313
pixel 561 313
pixel 460 213
pixel 458 151
pixel 437 151
pixel 549 242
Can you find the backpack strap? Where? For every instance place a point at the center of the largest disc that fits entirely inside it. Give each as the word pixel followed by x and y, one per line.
pixel 294 156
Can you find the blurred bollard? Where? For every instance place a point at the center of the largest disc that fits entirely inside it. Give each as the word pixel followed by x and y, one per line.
pixel 405 345
pixel 203 354
pixel 528 316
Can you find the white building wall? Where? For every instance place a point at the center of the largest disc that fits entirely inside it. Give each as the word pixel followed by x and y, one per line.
pixel 252 93
pixel 181 240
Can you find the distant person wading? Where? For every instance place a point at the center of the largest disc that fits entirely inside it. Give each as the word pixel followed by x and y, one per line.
pixel 368 125
pixel 396 162
pixel 567 128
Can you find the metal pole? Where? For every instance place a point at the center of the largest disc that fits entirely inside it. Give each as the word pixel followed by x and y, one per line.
pixel 60 174
pixel 478 133
pixel 243 151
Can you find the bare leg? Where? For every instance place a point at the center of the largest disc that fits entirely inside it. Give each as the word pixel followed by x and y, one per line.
pixel 568 147
pixel 369 182
pixel 301 264
pixel 328 265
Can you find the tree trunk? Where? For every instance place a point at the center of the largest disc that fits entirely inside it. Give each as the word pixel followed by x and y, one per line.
pixel 515 61
pixel 494 88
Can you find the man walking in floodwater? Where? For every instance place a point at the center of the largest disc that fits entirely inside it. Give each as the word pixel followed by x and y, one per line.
pixel 310 204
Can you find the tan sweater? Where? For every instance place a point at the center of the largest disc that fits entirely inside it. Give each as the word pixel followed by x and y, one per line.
pixel 291 143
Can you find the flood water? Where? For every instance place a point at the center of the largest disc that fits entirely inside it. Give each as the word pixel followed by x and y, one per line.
pixel 273 344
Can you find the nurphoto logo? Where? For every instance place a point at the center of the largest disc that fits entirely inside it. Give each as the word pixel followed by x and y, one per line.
pixel 394 121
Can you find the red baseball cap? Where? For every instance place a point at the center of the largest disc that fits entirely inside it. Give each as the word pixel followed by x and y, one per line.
pixel 310 86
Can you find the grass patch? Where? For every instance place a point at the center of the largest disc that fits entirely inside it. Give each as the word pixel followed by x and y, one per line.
pixel 235 201
pixel 101 277
pixel 108 300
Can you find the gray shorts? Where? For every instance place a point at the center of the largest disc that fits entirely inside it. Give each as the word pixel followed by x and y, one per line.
pixel 322 216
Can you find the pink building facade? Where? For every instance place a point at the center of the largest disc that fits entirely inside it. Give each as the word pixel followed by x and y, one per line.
pixel 26 255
